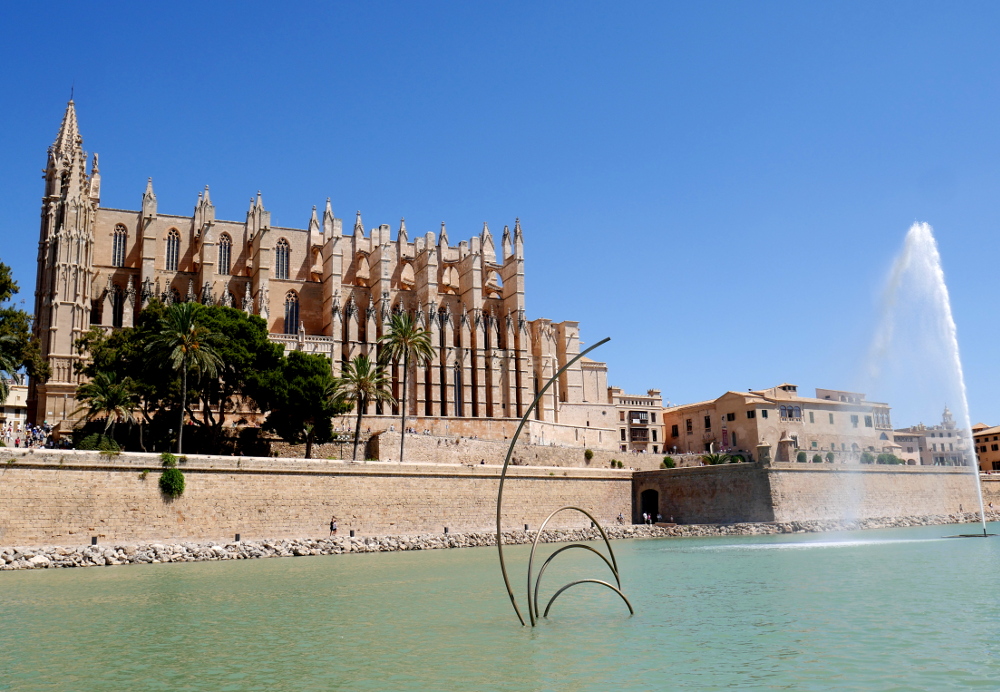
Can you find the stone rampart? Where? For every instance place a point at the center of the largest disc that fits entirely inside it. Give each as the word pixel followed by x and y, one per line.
pixel 65 497
pixel 454 449
pixel 806 492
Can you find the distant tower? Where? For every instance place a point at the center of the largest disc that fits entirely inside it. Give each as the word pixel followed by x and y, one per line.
pixel 65 261
pixel 947 421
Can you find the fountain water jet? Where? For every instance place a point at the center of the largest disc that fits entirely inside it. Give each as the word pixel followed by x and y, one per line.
pixel 917 291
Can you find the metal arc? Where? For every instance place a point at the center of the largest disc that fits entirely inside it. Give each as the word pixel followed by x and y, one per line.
pixel 588 581
pixel 532 610
pixel 538 579
pixel 506 463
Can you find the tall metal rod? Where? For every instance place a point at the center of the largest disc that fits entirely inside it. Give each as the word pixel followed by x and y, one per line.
pixel 538 579
pixel 532 610
pixel 506 462
pixel 588 581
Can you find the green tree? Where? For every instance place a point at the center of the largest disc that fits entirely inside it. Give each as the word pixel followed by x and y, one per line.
pixel 713 459
pixel 302 409
pixel 668 463
pixel 362 382
pixel 251 370
pixel 104 396
pixel 829 457
pixel 886 458
pixel 817 458
pixel 187 345
pixel 867 458
pixel 18 347
pixel 8 365
pixel 801 457
pixel 405 341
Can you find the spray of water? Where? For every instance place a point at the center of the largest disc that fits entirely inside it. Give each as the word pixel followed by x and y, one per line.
pixel 917 342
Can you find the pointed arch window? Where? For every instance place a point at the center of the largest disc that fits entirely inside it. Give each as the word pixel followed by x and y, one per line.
pixel 291 312
pixel 225 253
pixel 281 257
pixel 173 249
pixel 118 244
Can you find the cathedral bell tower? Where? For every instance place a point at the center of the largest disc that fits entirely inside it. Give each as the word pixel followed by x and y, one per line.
pixel 65 262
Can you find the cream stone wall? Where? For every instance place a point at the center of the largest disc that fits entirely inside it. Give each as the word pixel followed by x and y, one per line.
pixel 798 492
pixel 67 497
pixel 466 450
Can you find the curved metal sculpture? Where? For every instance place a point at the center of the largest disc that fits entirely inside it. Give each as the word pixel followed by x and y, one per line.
pixel 533 587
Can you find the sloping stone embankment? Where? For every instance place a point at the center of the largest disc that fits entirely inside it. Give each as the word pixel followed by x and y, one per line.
pixel 134 553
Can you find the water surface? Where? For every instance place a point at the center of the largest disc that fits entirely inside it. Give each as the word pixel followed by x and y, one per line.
pixel 880 610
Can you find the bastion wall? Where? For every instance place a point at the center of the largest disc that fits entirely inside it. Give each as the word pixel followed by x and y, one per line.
pixel 804 492
pixel 66 497
pixel 455 449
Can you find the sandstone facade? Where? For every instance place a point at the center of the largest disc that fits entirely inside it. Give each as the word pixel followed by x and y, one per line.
pixel 321 290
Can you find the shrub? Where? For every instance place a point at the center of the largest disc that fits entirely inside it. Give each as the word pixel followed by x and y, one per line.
pixel 98 443
pixel 588 454
pixel 142 476
pixel 668 463
pixel 168 460
pixel 2 443
pixel 172 482
pixel 817 458
pixel 829 457
pixel 615 464
pixel 801 457
pixel 886 458
pixel 867 458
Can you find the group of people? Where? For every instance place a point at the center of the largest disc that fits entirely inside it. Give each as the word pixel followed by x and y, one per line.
pixel 30 436
pixel 648 518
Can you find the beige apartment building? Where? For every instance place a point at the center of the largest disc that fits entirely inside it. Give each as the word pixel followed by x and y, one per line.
pixel 13 413
pixel 321 289
pixel 844 424
pixel 987 446
pixel 640 420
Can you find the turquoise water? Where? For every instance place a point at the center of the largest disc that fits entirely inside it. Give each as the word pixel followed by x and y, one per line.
pixel 879 610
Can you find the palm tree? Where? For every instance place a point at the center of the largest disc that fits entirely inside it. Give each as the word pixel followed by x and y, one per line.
pixel 105 397
pixel 8 365
pixel 188 346
pixel 713 459
pixel 363 382
pixel 406 341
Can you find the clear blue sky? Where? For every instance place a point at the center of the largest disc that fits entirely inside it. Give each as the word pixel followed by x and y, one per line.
pixel 719 186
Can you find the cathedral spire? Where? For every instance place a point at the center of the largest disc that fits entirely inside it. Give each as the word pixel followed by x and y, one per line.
pixel 518 240
pixel 95 182
pixel 486 238
pixel 443 240
pixel 329 225
pixel 68 138
pixel 401 237
pixel 149 201
pixel 359 228
pixel 505 244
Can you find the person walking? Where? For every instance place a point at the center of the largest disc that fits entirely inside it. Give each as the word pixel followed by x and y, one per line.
pixel 333 526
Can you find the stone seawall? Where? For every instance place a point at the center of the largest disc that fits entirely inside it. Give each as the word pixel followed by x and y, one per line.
pixel 806 492
pixel 67 497
pixel 456 449
pixel 16 558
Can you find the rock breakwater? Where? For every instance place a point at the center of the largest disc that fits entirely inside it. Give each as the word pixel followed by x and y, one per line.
pixel 50 557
